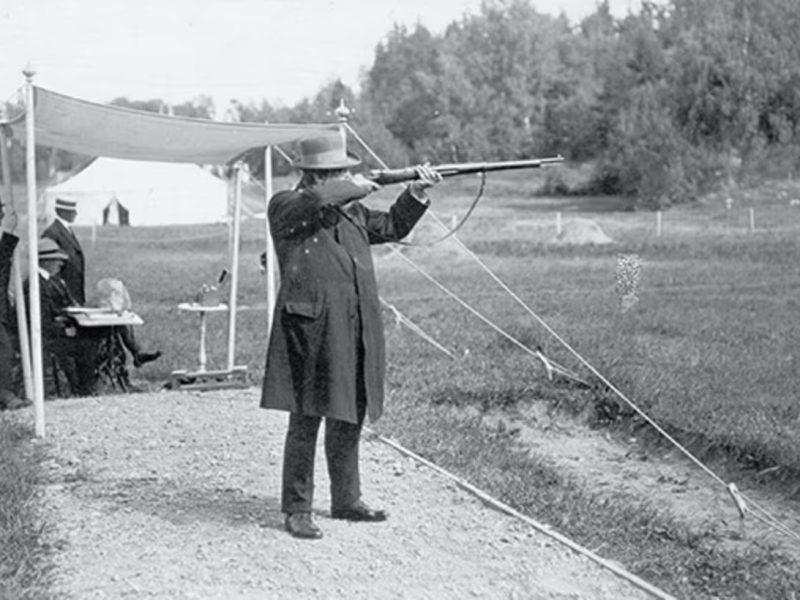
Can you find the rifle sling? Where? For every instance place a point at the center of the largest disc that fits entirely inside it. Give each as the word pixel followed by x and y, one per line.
pixel 450 232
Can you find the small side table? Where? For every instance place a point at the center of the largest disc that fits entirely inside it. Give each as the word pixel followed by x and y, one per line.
pixel 202 379
pixel 202 311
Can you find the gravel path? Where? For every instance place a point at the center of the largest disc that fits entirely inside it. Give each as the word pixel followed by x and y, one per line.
pixel 175 495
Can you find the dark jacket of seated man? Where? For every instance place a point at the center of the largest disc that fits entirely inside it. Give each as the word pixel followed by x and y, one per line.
pixel 59 337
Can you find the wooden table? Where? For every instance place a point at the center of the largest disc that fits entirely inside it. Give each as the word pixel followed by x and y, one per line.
pixel 202 311
pixel 86 316
pixel 202 379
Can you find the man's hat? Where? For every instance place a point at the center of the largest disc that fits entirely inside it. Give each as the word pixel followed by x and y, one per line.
pixel 63 204
pixel 324 153
pixel 50 250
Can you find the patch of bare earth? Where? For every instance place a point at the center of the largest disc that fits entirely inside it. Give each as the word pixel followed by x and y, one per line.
pixel 666 479
pixel 176 495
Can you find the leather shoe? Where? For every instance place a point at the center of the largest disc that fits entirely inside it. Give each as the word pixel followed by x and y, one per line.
pixel 359 512
pixel 300 525
pixel 145 357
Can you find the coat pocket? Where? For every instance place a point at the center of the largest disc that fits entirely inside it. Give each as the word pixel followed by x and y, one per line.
pixel 310 310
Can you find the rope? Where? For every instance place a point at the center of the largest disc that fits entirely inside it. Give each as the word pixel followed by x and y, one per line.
pixel 765 517
pixel 497 504
pixel 551 366
pixel 415 328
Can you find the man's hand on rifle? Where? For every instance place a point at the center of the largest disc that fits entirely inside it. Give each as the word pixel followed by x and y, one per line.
pixel 426 177
pixel 365 184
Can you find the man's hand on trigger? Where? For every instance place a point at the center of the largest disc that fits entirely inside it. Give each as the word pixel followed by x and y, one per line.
pixel 365 184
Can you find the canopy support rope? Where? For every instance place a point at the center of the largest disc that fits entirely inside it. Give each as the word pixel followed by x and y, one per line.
pixel 765 517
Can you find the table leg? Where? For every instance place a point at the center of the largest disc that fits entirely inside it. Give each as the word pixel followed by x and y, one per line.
pixel 202 341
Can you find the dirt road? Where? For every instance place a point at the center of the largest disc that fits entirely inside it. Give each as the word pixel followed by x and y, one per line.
pixel 175 495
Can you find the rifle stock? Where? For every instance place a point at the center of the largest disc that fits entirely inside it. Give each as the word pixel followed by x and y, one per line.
pixel 388 176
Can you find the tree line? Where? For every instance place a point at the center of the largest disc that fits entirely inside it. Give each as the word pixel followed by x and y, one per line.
pixel 661 104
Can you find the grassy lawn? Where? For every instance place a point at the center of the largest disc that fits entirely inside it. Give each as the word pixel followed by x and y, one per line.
pixel 25 570
pixel 709 351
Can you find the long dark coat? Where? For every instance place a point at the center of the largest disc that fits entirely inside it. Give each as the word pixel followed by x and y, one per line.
pixel 74 269
pixel 8 242
pixel 327 296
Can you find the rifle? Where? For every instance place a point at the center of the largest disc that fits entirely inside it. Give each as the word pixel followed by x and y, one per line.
pixel 388 176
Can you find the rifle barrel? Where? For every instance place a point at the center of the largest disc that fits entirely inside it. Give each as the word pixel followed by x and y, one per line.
pixel 387 176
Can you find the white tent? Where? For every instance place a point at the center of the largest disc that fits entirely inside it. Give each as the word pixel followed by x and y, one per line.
pixel 153 193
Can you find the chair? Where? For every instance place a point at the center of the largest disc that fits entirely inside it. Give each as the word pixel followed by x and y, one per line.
pixel 111 361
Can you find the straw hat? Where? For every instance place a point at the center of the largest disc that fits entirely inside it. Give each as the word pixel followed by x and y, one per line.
pixel 64 204
pixel 324 153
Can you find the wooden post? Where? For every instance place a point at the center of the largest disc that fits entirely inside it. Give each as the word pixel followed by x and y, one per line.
pixel 558 223
pixel 16 274
pixel 752 220
pixel 237 219
pixel 658 223
pixel 270 266
pixel 33 255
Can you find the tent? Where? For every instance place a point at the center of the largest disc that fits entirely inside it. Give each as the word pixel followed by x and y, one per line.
pixel 152 193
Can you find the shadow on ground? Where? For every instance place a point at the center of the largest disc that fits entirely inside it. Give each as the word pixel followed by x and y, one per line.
pixel 182 505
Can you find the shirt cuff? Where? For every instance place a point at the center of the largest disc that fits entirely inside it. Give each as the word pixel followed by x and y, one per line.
pixel 418 194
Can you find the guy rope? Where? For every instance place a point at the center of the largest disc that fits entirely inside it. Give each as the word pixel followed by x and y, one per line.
pixel 744 504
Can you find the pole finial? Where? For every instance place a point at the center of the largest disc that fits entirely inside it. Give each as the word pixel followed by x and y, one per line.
pixel 29 71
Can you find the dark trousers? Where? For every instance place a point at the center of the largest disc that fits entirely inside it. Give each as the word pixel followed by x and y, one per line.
pixel 341 453
pixel 6 359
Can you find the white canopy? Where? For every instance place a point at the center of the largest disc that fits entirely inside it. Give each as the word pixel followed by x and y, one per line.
pixel 154 193
pixel 104 130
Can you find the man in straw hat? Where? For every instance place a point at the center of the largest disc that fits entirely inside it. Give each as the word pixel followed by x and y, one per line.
pixel 326 349
pixel 59 337
pixel 60 231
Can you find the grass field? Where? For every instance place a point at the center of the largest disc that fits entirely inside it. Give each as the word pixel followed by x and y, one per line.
pixel 709 351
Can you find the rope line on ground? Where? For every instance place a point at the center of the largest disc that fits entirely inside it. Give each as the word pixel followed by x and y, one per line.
pixel 503 507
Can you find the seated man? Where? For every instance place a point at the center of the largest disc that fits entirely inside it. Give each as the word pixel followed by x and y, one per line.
pixel 61 348
pixel 83 354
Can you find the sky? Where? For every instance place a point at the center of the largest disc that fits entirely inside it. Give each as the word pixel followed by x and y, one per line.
pixel 278 50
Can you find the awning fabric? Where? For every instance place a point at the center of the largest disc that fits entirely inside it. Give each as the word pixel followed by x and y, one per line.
pixel 104 130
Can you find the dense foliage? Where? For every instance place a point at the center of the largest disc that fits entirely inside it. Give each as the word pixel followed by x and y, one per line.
pixel 662 103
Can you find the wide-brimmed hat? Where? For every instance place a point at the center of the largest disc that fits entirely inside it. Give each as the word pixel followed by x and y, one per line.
pixel 64 204
pixel 50 250
pixel 325 152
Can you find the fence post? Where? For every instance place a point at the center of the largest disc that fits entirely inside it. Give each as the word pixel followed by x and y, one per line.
pixel 658 223
pixel 558 223
pixel 752 220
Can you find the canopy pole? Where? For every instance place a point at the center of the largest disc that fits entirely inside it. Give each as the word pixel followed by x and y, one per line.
pixel 237 217
pixel 34 308
pixel 16 274
pixel 270 248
